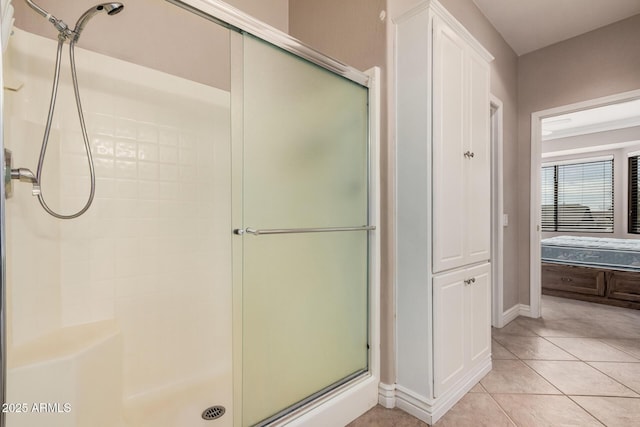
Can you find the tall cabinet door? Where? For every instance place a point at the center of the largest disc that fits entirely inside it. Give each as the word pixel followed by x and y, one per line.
pixel 448 148
pixel 461 156
pixel 478 179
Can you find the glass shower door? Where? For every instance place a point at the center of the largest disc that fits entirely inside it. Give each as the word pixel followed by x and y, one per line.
pixel 305 240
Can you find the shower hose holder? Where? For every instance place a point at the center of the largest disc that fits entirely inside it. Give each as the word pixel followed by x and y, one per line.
pixel 21 174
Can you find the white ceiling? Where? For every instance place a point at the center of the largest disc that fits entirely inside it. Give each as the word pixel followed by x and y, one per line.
pixel 600 119
pixel 528 25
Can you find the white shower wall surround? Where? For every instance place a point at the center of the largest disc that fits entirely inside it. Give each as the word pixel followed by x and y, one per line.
pixel 148 266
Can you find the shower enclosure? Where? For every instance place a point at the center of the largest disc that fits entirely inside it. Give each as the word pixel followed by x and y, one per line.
pixel 226 272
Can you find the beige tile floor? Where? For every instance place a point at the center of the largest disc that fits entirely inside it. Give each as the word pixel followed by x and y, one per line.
pixel 578 365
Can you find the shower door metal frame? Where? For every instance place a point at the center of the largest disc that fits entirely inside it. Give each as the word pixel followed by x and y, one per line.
pixel 3 253
pixel 351 394
pixel 232 18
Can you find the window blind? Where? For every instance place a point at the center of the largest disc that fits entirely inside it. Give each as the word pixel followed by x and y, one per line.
pixel 578 197
pixel 634 210
pixel 549 199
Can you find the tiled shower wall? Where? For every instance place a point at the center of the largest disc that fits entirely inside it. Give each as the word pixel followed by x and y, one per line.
pixel 153 252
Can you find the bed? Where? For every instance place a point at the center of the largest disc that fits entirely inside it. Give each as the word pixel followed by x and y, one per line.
pixel 602 270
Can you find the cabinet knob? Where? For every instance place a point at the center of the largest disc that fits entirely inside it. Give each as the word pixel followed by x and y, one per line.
pixel 470 281
pixel 469 154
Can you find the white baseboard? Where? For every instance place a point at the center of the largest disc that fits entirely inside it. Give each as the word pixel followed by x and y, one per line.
pixel 431 410
pixel 525 310
pixel 417 405
pixel 515 311
pixel 387 395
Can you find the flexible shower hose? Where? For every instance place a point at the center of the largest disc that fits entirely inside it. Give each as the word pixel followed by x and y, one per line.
pixel 45 140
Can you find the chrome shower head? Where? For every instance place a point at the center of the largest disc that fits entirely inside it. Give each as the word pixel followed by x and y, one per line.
pixel 113 8
pixel 110 8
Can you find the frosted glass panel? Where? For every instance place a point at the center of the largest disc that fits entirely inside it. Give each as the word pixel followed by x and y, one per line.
pixel 304 295
pixel 305 317
pixel 305 143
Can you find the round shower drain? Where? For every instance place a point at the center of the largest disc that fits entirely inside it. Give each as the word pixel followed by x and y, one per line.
pixel 213 412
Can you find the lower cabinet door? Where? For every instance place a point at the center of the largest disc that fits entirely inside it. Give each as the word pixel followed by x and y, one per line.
pixel 449 322
pixel 461 324
pixel 478 302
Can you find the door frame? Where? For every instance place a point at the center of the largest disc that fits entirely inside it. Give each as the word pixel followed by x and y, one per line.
pixel 497 211
pixel 535 221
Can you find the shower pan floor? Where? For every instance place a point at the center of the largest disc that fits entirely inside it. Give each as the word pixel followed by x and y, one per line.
pixel 181 405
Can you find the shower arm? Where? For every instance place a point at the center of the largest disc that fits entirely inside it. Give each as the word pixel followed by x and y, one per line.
pixel 58 23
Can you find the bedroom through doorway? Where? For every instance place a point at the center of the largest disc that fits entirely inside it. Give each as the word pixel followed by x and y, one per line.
pixel 585 207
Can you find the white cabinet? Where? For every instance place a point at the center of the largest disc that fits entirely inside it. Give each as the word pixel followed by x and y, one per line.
pixel 443 325
pixel 461 180
pixel 461 311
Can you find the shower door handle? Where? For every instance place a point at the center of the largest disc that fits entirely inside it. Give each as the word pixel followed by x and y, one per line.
pixel 258 232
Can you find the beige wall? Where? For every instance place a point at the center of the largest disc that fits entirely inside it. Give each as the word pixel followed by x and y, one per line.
pixel 350 31
pixel 360 38
pixel 272 12
pixel 155 34
pixel 602 62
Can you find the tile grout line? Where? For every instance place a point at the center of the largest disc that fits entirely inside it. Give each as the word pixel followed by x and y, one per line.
pixel 596 339
pixel 585 410
pixel 616 348
pixel 613 379
pixel 537 336
pixel 505 348
pixel 587 364
pixel 621 349
pixel 502 409
pixel 562 349
pixel 542 376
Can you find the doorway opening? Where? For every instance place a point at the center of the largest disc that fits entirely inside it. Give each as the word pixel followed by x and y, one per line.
pixel 565 128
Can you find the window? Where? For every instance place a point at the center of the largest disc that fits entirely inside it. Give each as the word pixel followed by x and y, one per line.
pixel 634 201
pixel 578 197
